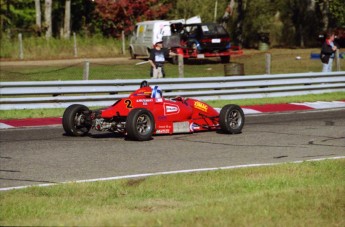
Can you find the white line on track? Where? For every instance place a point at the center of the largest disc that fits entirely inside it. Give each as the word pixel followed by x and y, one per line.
pixel 168 173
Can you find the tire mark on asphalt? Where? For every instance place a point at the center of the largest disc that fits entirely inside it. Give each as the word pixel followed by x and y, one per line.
pixel 183 138
pixel 28 180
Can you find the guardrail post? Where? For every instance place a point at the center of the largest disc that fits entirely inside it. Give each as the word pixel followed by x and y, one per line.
pixel 180 66
pixel 86 70
pixel 337 60
pixel 268 63
pixel 21 53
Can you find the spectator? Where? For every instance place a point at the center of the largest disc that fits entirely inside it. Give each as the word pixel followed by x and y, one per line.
pixel 158 55
pixel 328 52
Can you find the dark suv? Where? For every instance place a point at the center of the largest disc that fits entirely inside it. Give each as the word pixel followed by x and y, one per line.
pixel 205 40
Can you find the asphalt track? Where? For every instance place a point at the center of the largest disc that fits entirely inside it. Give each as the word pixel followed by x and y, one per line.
pixel 44 155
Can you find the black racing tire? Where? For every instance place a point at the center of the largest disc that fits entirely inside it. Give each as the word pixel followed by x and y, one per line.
pixel 225 59
pixel 131 51
pixel 231 119
pixel 140 124
pixel 74 120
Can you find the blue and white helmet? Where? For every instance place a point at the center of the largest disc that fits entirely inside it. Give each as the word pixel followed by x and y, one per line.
pixel 156 93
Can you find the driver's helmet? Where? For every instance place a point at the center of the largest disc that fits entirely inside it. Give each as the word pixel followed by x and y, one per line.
pixel 156 93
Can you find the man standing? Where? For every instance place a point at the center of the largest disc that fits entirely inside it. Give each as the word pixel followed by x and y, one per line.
pixel 158 55
pixel 328 52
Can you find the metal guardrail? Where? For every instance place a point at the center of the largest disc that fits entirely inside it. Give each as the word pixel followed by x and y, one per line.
pixel 60 94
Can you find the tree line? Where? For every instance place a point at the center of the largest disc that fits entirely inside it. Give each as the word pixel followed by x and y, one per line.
pixel 287 22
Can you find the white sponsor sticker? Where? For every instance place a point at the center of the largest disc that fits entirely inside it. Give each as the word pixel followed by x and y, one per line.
pixel 171 109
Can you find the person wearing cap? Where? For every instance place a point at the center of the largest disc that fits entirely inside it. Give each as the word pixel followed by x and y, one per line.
pixel 158 55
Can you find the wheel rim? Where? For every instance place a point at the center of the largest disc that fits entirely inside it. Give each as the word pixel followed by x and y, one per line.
pixel 235 119
pixel 143 124
pixel 79 122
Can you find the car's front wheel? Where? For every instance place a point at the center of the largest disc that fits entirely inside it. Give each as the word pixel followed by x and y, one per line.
pixel 231 119
pixel 75 120
pixel 140 124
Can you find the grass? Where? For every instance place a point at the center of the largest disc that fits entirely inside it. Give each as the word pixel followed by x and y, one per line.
pixel 306 194
pixel 39 48
pixel 42 113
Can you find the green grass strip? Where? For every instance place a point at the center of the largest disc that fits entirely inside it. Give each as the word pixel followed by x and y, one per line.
pixel 304 194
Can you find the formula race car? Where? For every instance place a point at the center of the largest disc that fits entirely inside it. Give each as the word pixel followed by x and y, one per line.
pixel 146 112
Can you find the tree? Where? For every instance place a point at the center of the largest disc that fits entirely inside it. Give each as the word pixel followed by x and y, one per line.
pixel 67 22
pixel 17 15
pixel 48 18
pixel 38 17
pixel 337 13
pixel 121 15
pixel 184 9
pixel 5 20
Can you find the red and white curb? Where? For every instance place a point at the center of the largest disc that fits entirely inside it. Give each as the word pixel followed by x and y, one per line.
pixel 30 122
pixel 266 108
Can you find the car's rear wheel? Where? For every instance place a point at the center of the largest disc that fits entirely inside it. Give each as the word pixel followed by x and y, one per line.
pixel 140 124
pixel 75 120
pixel 231 119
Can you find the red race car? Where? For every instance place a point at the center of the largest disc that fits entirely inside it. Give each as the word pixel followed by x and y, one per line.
pixel 145 113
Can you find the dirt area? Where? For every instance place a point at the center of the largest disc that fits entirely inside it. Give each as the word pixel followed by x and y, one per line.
pixel 68 61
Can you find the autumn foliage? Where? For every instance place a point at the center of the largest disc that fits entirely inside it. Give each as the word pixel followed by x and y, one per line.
pixel 121 15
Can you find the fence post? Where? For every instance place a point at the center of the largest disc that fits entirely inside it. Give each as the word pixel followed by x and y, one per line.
pixel 268 63
pixel 337 60
pixel 86 70
pixel 180 66
pixel 21 53
pixel 123 42
pixel 75 49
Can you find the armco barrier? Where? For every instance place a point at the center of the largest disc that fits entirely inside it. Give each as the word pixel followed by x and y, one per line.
pixel 60 94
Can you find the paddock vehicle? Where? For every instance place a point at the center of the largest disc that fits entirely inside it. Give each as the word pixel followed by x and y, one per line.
pixel 145 113
pixel 203 40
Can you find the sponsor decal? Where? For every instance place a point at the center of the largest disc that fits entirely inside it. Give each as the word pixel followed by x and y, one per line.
pixel 200 106
pixel 164 126
pixel 171 109
pixel 144 100
pixel 194 126
pixel 162 131
pixel 181 127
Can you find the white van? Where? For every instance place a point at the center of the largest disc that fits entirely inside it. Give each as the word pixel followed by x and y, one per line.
pixel 147 33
